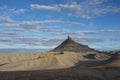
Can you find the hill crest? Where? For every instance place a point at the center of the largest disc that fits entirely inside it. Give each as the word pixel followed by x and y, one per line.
pixel 71 45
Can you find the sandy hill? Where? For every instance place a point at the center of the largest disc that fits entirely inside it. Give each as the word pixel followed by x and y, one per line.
pixel 48 60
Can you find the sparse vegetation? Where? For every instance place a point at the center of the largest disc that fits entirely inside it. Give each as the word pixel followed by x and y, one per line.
pixel 90 56
pixel 62 52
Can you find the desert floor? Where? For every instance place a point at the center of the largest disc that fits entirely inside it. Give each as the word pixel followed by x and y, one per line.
pixel 64 74
pixel 56 66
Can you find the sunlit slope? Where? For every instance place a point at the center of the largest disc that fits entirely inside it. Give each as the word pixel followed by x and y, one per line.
pixel 37 61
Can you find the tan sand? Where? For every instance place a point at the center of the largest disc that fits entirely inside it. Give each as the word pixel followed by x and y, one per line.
pixel 38 61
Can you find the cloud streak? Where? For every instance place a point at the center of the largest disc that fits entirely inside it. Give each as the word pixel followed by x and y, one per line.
pixel 6 19
pixel 89 32
pixel 90 40
pixel 8 33
pixel 115 39
pixel 44 7
pixel 84 9
pixel 37 25
pixel 5 11
pixel 19 39
pixel 32 41
pixel 97 32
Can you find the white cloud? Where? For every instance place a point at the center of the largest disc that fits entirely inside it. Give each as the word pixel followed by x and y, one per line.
pixel 6 19
pixel 98 32
pixel 89 32
pixel 37 25
pixel 6 11
pixel 90 40
pixel 84 9
pixel 93 2
pixel 17 38
pixel 44 7
pixel 18 11
pixel 11 29
pixel 10 24
pixel 29 25
pixel 74 23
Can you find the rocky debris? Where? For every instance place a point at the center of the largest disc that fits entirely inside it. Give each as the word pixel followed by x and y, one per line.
pixel 90 56
pixel 102 56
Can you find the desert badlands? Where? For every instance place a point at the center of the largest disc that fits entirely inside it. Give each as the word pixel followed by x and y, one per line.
pixel 70 56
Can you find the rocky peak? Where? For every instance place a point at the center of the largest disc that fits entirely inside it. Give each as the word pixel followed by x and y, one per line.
pixel 70 39
pixel 72 46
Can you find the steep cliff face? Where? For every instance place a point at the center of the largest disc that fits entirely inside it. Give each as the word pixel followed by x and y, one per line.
pixel 72 46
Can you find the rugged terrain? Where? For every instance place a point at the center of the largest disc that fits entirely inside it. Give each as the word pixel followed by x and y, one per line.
pixel 69 61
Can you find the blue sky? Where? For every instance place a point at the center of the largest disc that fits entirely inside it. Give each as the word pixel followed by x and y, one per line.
pixel 43 24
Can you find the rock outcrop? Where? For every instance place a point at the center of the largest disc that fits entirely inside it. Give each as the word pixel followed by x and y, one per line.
pixel 71 45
